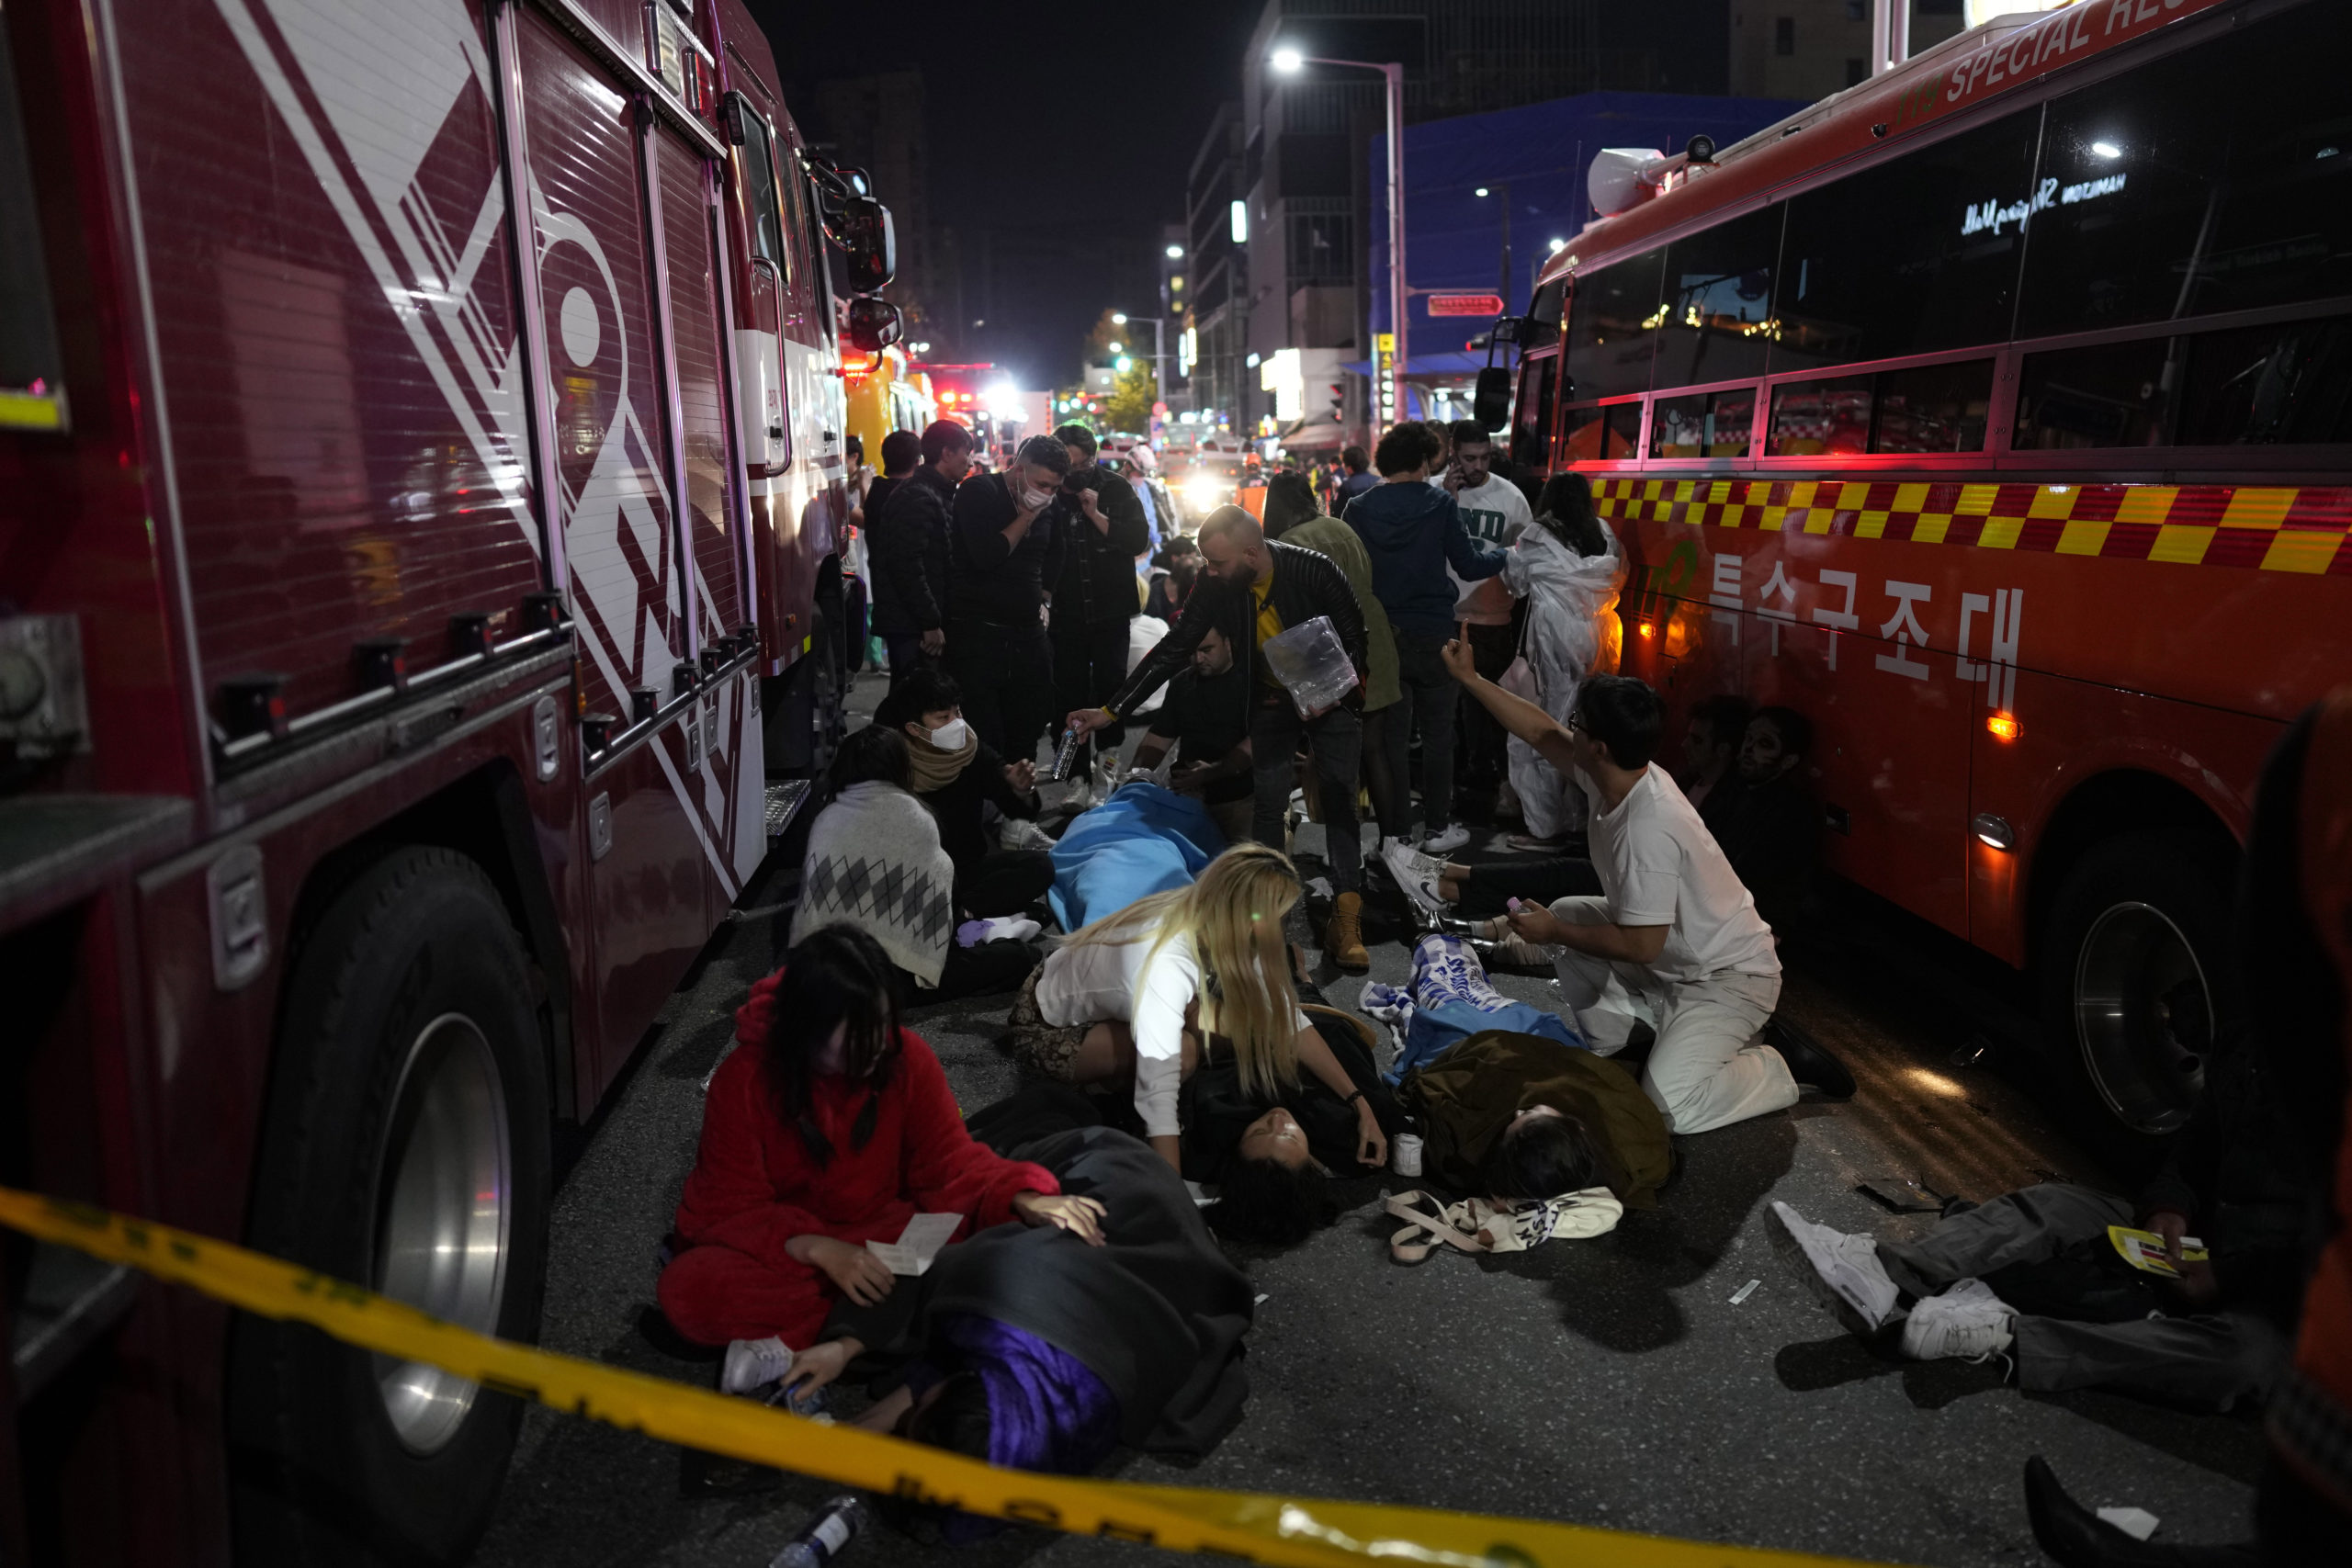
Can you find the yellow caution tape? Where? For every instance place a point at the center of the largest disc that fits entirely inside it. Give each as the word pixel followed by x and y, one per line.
pixel 1306 1533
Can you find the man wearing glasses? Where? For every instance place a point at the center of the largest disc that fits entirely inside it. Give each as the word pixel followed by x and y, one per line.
pixel 1673 942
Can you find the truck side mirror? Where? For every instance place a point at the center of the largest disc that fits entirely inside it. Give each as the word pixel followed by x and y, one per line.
pixel 1490 404
pixel 872 241
pixel 874 324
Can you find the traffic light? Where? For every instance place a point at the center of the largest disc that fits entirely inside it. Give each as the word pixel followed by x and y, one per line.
pixel 1338 402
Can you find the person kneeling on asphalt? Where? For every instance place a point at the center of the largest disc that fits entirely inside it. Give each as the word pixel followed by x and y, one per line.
pixel 828 1127
pixel 2033 1275
pixel 1673 942
pixel 1044 1351
pixel 1148 994
pixel 1206 718
pixel 955 773
pixel 1249 581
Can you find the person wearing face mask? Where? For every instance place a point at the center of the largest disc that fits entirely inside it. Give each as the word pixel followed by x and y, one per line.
pixel 1256 587
pixel 956 774
pixel 830 1126
pixel 1514 1117
pixel 1101 522
pixel 1005 549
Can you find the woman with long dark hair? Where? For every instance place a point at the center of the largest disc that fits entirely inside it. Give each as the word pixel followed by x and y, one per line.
pixel 830 1126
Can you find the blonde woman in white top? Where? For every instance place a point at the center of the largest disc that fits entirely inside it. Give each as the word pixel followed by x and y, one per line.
pixel 1136 993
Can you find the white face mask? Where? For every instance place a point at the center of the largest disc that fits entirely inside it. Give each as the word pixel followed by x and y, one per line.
pixel 1034 500
pixel 951 736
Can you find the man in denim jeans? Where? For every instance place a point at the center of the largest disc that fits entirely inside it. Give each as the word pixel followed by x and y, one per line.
pixel 1413 532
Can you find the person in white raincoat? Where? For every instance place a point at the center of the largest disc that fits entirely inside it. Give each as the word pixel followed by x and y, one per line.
pixel 1567 566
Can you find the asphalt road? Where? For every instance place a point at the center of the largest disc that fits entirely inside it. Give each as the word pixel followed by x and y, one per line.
pixel 1609 1382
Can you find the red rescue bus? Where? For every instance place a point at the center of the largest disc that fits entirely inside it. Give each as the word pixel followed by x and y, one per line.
pixel 1996 414
pixel 420 470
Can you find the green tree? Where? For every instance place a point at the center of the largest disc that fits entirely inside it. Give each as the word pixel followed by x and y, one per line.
pixel 1129 406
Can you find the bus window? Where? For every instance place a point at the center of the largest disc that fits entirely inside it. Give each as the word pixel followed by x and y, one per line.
pixel 1602 434
pixel 1914 254
pixel 1612 327
pixel 1543 326
pixel 1707 424
pixel 1920 408
pixel 2290 384
pixel 1719 301
pixel 2216 179
pixel 2116 394
pixel 1532 421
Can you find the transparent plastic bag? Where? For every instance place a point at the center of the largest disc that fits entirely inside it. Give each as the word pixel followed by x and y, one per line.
pixel 1312 665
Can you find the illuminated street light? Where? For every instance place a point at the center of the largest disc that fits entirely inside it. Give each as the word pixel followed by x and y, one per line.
pixel 1119 318
pixel 1288 60
pixel 1558 245
pixel 1175 252
pixel 1480 191
pixel 1118 348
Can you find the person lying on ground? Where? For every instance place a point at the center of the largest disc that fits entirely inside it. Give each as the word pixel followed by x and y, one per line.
pixel 2033 1277
pixel 875 834
pixel 1767 821
pixel 1145 995
pixel 955 775
pixel 830 1126
pixel 1253 589
pixel 1673 940
pixel 1514 1117
pixel 1033 1350
pixel 1206 718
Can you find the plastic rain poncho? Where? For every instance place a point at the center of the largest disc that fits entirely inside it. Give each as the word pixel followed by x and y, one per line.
pixel 1572 632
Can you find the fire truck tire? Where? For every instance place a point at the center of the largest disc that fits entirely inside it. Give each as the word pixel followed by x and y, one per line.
pixel 2136 981
pixel 409 1083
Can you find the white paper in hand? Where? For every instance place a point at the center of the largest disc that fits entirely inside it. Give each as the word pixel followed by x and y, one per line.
pixel 917 1244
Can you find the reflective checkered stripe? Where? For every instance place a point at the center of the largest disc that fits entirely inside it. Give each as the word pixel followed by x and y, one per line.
pixel 2272 529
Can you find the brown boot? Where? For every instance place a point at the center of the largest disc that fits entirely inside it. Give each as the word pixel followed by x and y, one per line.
pixel 1343 938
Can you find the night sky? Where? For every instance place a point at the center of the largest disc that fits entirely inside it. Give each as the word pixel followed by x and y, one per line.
pixel 1062 134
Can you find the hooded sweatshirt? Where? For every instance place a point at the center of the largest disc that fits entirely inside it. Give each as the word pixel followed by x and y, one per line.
pixel 1414 533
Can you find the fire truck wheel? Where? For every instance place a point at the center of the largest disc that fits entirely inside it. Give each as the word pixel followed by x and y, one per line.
pixel 406 1148
pixel 2135 976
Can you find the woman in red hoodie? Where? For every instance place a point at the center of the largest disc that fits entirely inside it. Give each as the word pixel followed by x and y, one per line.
pixel 830 1127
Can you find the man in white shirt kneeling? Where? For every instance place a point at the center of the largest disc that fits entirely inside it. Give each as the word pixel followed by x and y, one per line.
pixel 1674 940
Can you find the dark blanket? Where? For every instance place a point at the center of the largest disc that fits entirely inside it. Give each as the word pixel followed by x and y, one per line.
pixel 1156 1312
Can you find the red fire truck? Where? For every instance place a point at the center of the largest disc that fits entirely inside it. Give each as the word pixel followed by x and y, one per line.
pixel 420 466
pixel 1995 414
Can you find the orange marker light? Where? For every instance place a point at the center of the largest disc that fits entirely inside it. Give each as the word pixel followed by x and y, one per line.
pixel 1648 630
pixel 2004 726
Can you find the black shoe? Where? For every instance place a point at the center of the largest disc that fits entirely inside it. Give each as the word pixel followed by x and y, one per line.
pixel 1811 1066
pixel 2075 1536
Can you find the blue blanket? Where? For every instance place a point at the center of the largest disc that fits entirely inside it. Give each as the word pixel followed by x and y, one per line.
pixel 1144 840
pixel 1451 998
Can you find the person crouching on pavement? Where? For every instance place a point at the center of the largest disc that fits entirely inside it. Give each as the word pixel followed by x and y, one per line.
pixel 1206 718
pixel 1147 993
pixel 955 773
pixel 828 1127
pixel 1249 581
pixel 1041 1351
pixel 1673 942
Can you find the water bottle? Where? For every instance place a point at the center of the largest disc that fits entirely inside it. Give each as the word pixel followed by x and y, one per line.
pixel 819 1542
pixel 1066 757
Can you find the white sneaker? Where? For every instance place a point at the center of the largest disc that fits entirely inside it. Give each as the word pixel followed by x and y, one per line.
pixel 753 1364
pixel 1453 839
pixel 1021 833
pixel 1416 872
pixel 1842 1269
pixel 1968 1322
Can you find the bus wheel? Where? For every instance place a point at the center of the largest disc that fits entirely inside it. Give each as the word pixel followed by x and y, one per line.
pixel 2135 975
pixel 406 1148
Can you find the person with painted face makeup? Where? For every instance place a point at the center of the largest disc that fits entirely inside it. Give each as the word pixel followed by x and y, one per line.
pixel 957 774
pixel 1003 549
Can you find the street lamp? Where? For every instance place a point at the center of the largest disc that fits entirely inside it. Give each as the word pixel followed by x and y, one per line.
pixel 1158 347
pixel 1288 61
pixel 1504 187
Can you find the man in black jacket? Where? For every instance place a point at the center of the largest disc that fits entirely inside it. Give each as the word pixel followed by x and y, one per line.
pixel 1100 520
pixel 1252 589
pixel 906 540
pixel 1005 549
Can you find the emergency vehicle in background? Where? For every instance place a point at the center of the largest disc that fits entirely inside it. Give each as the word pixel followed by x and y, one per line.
pixel 1997 415
pixel 887 391
pixel 420 472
